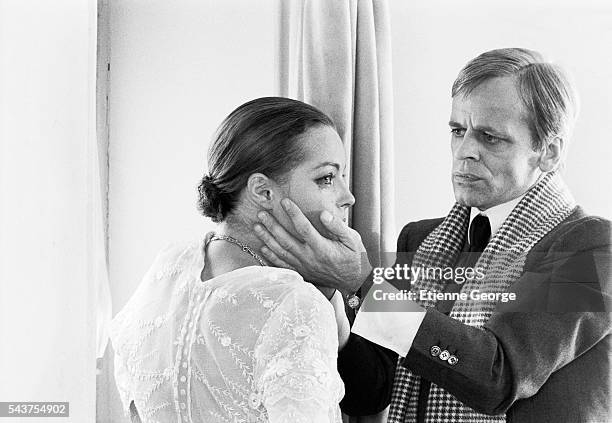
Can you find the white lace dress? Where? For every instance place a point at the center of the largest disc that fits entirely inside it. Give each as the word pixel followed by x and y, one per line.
pixel 254 345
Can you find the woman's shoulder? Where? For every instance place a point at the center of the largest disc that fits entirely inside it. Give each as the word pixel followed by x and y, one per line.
pixel 168 277
pixel 275 283
pixel 177 250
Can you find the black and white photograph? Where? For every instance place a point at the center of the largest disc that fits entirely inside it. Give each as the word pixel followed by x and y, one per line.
pixel 305 211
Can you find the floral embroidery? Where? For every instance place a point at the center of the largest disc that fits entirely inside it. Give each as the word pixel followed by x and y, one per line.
pixel 251 349
pixel 301 331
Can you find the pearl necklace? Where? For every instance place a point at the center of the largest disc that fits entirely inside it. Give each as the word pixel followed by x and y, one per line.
pixel 244 247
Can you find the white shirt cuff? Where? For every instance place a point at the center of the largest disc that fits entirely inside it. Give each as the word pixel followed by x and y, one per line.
pixel 394 330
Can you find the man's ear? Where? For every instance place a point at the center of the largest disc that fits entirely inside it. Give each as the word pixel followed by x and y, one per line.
pixel 552 154
pixel 260 189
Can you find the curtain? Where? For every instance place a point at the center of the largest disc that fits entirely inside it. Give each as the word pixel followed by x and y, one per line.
pixel 336 55
pixel 99 270
pixel 99 181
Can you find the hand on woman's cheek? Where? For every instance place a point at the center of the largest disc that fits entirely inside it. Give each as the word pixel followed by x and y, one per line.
pixel 317 183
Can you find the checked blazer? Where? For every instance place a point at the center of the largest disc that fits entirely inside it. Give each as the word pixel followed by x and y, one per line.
pixel 545 357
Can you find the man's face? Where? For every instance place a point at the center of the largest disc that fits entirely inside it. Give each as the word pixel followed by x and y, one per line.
pixel 493 158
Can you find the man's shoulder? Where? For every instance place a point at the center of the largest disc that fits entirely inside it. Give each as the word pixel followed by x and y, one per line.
pixel 576 232
pixel 414 233
pixel 579 231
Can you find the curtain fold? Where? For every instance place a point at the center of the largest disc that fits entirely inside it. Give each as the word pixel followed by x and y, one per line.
pixel 99 165
pixel 336 55
pixel 98 253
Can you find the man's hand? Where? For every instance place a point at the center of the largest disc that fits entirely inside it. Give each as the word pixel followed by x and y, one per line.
pixel 341 262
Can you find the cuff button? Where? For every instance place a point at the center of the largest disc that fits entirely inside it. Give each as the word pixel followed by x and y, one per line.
pixel 452 360
pixel 435 350
pixel 444 355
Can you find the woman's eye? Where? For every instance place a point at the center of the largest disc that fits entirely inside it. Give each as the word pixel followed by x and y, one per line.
pixel 327 179
pixel 458 132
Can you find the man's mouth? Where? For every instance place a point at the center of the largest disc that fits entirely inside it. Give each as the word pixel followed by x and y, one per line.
pixel 465 177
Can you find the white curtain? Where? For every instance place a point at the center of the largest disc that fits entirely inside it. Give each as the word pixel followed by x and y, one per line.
pixel 336 55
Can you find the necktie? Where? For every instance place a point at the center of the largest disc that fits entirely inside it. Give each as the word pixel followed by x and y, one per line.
pixel 480 232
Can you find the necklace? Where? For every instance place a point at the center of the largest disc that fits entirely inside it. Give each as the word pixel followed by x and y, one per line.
pixel 244 247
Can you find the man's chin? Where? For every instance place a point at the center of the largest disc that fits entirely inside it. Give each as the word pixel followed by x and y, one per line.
pixel 467 200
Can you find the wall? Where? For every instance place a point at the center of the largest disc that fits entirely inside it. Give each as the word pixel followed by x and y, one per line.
pixel 47 156
pixel 431 42
pixel 177 69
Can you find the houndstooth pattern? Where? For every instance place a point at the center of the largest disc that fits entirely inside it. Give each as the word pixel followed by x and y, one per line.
pixel 541 210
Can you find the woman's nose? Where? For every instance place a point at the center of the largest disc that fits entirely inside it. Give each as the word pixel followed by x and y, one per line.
pixel 346 198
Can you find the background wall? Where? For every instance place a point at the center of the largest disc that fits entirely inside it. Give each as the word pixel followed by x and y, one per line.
pixel 176 70
pixel 431 42
pixel 47 157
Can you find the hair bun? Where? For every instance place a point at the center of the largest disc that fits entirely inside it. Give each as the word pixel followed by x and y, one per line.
pixel 211 201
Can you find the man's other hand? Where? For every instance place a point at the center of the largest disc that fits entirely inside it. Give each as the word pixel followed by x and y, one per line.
pixel 340 262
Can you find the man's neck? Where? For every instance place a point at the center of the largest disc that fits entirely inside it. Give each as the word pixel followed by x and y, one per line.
pixel 496 214
pixel 499 213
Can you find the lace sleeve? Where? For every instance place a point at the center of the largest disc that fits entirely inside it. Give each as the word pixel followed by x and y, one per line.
pixel 295 371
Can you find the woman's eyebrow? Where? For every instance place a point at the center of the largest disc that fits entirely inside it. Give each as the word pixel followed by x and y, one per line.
pixel 333 164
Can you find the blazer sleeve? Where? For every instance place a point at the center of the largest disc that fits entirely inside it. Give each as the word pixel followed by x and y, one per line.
pixel 519 349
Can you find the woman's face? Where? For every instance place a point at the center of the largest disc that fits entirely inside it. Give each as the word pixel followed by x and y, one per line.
pixel 318 182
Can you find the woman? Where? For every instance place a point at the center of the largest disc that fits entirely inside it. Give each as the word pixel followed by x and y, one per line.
pixel 212 334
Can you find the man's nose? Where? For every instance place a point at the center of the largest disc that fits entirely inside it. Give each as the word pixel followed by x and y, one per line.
pixel 466 147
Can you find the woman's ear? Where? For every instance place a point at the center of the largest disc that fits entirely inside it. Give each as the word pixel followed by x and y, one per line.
pixel 552 154
pixel 261 190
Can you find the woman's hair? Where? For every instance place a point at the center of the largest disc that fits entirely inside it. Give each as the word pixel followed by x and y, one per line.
pixel 260 136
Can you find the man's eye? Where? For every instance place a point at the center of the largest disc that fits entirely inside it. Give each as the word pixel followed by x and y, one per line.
pixel 491 139
pixel 458 132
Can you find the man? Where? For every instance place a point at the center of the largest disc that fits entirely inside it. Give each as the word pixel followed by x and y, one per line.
pixel 543 356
